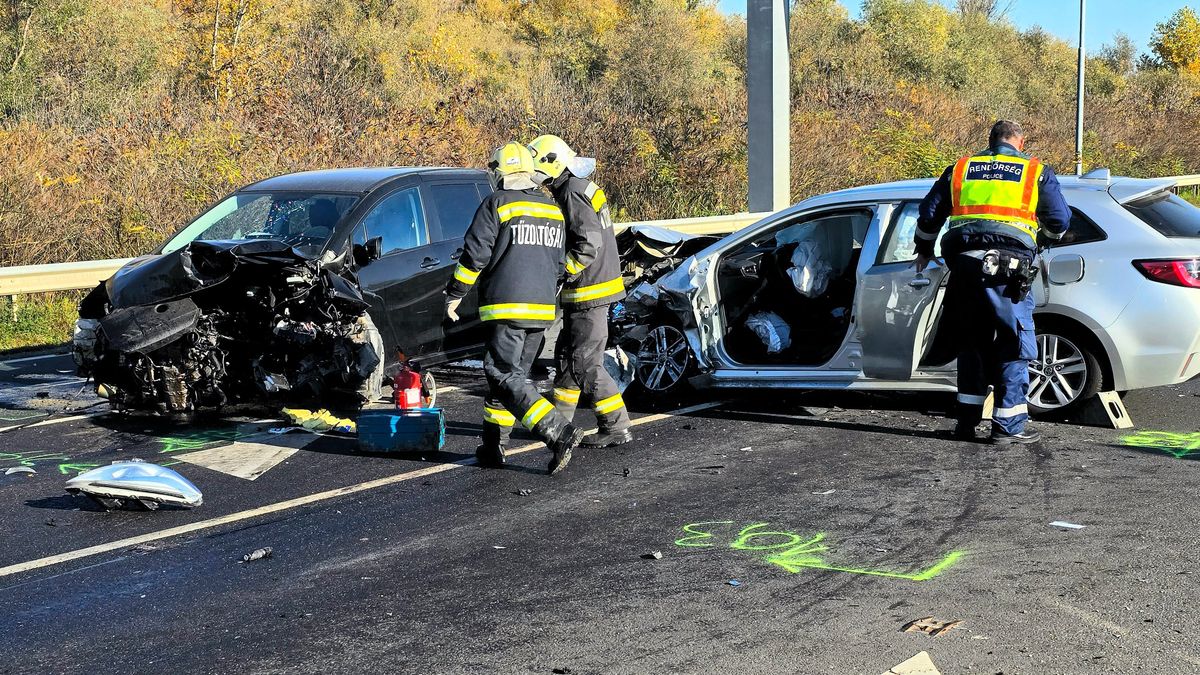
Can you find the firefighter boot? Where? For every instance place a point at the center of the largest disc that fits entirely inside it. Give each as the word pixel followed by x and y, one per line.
pixel 490 456
pixel 561 448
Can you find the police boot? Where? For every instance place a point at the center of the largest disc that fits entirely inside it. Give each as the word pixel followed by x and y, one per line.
pixel 1026 437
pixel 562 446
pixel 965 432
pixel 490 456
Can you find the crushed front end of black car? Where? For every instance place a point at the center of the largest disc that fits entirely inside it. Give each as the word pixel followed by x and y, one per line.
pixel 217 323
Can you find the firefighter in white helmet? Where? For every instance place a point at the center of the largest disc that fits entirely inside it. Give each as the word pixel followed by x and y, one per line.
pixel 514 248
pixel 593 284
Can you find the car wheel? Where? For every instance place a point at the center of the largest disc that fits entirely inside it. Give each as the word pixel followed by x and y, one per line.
pixel 664 360
pixel 429 384
pixel 1065 375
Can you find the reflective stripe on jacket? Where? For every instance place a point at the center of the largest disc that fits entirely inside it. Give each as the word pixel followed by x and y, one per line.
pixel 593 266
pixel 997 188
pixel 514 248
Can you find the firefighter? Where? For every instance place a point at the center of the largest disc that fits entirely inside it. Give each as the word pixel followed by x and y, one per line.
pixel 514 249
pixel 1001 206
pixel 593 284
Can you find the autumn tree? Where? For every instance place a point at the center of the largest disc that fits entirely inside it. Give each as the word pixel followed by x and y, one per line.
pixel 1176 42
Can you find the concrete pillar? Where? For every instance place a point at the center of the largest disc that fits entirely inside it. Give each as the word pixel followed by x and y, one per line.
pixel 768 94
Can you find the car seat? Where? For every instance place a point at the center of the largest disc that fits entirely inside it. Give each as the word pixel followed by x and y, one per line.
pixel 322 217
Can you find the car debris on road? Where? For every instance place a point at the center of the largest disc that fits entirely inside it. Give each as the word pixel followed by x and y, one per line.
pixel 257 554
pixel 131 482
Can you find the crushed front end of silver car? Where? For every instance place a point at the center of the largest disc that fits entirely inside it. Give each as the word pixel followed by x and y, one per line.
pixel 219 322
pixel 657 323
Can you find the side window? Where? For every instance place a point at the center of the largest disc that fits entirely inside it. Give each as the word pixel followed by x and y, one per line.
pixel 455 204
pixel 398 219
pixel 1082 231
pixel 902 235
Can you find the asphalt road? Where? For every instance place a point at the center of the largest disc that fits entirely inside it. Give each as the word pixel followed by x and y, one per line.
pixel 840 518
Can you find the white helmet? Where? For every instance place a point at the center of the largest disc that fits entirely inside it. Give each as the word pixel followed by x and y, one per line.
pixel 551 155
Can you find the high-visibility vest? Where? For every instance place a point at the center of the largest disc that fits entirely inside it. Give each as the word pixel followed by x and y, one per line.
pixel 1000 188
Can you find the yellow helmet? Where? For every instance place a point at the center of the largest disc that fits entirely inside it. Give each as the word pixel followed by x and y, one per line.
pixel 510 165
pixel 552 155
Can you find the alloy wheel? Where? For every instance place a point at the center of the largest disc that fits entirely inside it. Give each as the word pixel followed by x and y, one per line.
pixel 663 358
pixel 1058 376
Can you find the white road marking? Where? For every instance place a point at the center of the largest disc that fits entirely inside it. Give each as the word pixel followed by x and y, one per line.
pixel 56 420
pixel 242 459
pixel 293 503
pixel 34 358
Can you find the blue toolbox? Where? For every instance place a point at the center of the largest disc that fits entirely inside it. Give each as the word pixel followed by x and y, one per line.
pixel 412 430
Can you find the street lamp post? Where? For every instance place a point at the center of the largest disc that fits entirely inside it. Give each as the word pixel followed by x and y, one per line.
pixel 1079 94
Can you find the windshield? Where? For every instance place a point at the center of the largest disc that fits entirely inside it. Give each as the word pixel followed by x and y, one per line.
pixel 302 219
pixel 1168 213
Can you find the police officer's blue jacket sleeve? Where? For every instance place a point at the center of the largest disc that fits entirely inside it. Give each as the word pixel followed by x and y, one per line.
pixel 1053 214
pixel 478 244
pixel 932 214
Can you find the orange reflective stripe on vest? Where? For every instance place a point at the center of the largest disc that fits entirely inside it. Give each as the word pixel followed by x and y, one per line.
pixel 1000 188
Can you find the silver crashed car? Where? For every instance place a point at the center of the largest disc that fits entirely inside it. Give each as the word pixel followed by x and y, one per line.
pixel 823 295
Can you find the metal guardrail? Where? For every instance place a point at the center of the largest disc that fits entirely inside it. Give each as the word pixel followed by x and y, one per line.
pixel 71 276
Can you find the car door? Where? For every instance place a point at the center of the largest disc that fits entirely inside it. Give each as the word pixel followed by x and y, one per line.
pixel 409 275
pixel 898 307
pixel 453 202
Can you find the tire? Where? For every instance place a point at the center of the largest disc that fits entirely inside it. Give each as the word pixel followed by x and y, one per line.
pixel 664 361
pixel 429 384
pixel 1066 374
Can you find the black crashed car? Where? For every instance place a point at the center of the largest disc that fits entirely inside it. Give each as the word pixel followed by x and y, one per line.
pixel 306 287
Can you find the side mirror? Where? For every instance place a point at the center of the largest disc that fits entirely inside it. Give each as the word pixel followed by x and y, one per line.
pixel 365 254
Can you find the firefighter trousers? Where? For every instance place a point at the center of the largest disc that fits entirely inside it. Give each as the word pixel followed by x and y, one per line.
pixel 511 351
pixel 581 372
pixel 995 338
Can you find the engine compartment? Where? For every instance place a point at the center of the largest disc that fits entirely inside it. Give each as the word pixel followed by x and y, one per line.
pixel 221 323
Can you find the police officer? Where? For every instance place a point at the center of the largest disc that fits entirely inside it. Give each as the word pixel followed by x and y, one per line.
pixel 593 284
pixel 514 249
pixel 1001 205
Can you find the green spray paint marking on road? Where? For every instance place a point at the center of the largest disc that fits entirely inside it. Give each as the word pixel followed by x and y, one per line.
pixel 33 458
pixel 197 440
pixel 1175 444
pixel 75 468
pixel 794 553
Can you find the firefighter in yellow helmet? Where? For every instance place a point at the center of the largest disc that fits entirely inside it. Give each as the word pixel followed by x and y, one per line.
pixel 514 250
pixel 593 284
pixel 1001 205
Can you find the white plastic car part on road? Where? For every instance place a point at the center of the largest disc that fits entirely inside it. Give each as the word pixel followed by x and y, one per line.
pixel 147 484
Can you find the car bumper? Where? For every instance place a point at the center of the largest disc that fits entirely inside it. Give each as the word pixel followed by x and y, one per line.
pixel 1156 339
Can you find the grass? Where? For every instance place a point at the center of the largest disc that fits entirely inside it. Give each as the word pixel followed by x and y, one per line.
pixel 38 320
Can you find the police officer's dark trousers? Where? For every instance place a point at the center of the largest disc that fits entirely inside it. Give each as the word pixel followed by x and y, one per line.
pixel 581 372
pixel 994 333
pixel 511 351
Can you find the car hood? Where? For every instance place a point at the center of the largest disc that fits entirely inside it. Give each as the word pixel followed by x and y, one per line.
pixel 197 266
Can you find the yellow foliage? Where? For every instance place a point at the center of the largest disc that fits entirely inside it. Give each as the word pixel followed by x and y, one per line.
pixel 1177 41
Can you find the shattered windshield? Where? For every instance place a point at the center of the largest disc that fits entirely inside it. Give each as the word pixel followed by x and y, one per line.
pixel 302 219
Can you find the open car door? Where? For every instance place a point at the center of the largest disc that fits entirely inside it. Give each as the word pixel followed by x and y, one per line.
pixel 898 308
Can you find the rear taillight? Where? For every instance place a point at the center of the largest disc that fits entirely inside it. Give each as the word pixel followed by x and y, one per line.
pixel 1175 272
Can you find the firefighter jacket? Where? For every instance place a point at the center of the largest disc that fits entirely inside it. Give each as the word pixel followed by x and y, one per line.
pixel 514 249
pixel 995 196
pixel 593 265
